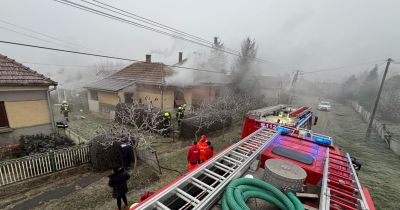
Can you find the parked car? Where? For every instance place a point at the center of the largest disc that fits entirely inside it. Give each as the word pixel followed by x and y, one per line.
pixel 324 106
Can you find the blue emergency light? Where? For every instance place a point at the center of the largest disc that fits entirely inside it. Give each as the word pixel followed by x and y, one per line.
pixel 321 140
pixel 283 130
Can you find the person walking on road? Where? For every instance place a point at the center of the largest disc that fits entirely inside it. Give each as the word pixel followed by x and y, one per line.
pixel 193 156
pixel 118 181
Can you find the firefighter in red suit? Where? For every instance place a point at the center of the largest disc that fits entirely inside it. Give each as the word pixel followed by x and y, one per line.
pixel 202 147
pixel 193 156
pixel 209 151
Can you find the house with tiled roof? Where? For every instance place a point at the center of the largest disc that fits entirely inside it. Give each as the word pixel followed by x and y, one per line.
pixel 146 83
pixel 24 101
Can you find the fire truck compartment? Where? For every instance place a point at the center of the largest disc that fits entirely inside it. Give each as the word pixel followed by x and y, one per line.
pixel 306 154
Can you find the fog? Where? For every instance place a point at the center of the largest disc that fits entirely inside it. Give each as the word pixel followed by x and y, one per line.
pixel 305 35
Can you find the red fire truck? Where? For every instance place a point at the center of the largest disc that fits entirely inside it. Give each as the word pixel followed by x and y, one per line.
pixel 288 166
pixel 299 117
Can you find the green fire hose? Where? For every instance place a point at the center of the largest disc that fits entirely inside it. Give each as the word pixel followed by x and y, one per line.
pixel 239 190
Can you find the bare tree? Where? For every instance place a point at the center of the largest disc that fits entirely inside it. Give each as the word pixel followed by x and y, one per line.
pixel 134 125
pixel 223 110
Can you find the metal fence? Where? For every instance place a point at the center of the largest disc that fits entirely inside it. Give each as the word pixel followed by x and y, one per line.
pixel 16 170
pixel 394 144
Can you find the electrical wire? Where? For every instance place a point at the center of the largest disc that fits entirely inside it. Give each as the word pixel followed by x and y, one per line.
pixel 148 21
pixel 98 12
pixel 104 14
pixel 340 67
pixel 103 56
pixel 48 36
pixel 60 65
pixel 34 37
pixel 154 23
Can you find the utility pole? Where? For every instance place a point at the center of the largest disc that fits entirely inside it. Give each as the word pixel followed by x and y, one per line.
pixel 371 120
pixel 292 86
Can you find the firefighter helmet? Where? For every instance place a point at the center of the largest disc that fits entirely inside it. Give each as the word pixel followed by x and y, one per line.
pixel 166 114
pixel 64 102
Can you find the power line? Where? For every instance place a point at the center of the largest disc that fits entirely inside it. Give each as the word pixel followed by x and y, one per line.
pixel 46 35
pixel 104 14
pixel 98 12
pixel 148 21
pixel 60 65
pixel 27 35
pixel 157 24
pixel 339 67
pixel 103 56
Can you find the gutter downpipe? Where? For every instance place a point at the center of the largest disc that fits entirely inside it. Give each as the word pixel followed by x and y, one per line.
pixel 51 108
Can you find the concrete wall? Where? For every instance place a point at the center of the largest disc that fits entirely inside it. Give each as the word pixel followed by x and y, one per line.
pixel 13 137
pixel 394 144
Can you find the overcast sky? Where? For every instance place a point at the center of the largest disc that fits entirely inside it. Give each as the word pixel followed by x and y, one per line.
pixel 307 35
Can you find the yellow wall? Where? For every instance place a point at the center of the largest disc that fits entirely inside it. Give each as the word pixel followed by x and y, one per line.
pixel 153 93
pixel 188 97
pixel 108 98
pixel 27 113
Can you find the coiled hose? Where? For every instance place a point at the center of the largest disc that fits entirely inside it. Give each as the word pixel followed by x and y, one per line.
pixel 239 190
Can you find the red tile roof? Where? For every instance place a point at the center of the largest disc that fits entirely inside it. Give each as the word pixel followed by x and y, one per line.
pixel 144 73
pixel 13 73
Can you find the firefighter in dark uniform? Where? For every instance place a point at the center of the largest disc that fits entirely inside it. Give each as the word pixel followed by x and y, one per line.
pixel 65 110
pixel 180 114
pixel 166 123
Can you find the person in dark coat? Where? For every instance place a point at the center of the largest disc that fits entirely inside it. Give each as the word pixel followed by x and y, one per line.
pixel 125 154
pixel 117 180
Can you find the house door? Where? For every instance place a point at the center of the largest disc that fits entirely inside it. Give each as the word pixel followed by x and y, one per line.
pixel 3 115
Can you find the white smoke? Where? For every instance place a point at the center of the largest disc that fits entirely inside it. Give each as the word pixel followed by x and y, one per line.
pixel 201 61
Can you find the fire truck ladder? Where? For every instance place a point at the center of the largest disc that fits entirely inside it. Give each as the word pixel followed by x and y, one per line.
pixel 341 189
pixel 202 187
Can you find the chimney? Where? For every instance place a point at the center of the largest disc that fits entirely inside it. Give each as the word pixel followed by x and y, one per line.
pixel 180 57
pixel 148 58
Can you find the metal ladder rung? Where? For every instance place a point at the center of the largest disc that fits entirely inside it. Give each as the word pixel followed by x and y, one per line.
pixel 199 182
pixel 223 169
pixel 224 166
pixel 161 206
pixel 255 142
pixel 232 159
pixel 239 154
pixel 182 194
pixel 260 138
pixel 245 152
pixel 217 176
pixel 244 148
pixel 239 157
pixel 233 163
pixel 252 146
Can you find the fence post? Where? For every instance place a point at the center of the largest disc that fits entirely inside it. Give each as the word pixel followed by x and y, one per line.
pixel 52 161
